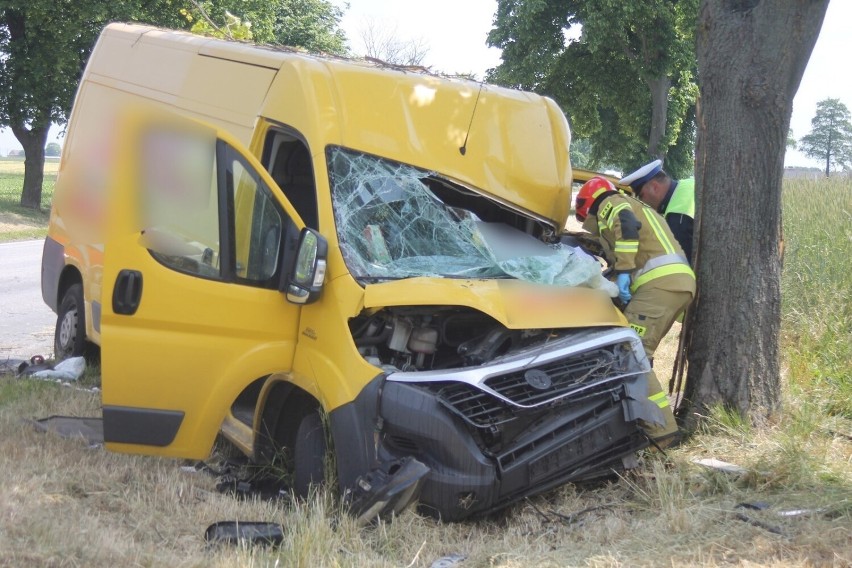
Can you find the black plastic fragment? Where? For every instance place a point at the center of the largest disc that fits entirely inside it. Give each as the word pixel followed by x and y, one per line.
pixel 386 490
pixel 248 532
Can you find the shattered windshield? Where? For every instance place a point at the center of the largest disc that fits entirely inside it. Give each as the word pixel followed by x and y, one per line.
pixel 390 225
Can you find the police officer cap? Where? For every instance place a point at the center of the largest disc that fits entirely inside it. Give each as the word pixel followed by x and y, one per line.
pixel 641 176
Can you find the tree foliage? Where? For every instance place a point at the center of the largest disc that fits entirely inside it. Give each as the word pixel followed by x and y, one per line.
pixel 53 149
pixel 310 24
pixel 830 138
pixel 623 72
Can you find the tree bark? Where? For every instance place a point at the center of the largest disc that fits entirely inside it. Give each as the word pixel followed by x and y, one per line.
pixel 33 141
pixel 751 57
pixel 659 87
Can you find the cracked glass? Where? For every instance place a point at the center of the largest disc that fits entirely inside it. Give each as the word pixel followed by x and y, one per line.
pixel 390 226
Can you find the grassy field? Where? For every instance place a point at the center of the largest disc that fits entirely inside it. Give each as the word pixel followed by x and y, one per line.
pixel 63 503
pixel 16 222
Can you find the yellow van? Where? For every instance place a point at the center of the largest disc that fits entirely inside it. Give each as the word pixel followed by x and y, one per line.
pixel 306 253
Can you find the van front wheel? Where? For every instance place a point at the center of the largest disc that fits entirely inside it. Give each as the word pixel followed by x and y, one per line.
pixel 309 454
pixel 70 337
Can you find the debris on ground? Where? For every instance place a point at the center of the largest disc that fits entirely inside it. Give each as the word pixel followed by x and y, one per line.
pixel 245 532
pixel 758 506
pixel 386 491
pixel 68 370
pixel 722 466
pixel 90 429
pixel 449 561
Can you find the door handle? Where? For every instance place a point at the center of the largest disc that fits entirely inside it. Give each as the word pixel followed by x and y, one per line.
pixel 127 293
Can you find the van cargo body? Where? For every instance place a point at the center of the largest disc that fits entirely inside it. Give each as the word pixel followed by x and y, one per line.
pixel 307 253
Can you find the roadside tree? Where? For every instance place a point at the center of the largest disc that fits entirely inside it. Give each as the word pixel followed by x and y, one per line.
pixel 751 58
pixel 830 138
pixel 623 72
pixel 53 150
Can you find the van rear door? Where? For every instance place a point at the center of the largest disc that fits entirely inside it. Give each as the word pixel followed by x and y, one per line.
pixel 198 237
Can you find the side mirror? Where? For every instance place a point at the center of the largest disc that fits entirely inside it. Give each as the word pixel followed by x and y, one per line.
pixel 306 278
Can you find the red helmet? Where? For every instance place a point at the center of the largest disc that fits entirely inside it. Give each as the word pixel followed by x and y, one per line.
pixel 590 191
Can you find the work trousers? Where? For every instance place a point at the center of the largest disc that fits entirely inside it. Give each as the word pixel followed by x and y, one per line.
pixel 651 313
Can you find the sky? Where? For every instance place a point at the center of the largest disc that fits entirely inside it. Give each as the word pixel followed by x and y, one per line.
pixel 454 31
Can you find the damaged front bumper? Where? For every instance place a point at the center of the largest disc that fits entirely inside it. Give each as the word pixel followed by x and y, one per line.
pixel 490 435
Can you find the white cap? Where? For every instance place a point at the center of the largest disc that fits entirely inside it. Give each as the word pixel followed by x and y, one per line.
pixel 641 176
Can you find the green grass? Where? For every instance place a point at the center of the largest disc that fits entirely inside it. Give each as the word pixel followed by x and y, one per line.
pixel 816 285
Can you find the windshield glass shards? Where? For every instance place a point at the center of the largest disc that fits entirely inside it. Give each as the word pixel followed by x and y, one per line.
pixel 390 225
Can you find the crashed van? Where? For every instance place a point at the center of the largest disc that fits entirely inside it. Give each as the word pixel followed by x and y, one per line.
pixel 315 256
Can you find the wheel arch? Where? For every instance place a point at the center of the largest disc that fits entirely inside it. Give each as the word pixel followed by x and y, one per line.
pixel 70 275
pixel 284 405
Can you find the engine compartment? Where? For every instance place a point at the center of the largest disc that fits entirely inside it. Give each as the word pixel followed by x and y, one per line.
pixel 422 338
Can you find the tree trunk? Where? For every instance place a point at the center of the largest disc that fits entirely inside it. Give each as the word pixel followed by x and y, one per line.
pixel 751 57
pixel 33 141
pixel 659 87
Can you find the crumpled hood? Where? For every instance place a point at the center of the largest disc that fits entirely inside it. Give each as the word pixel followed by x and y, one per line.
pixel 515 304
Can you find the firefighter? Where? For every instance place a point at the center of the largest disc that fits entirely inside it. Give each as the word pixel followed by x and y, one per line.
pixel 655 282
pixel 672 198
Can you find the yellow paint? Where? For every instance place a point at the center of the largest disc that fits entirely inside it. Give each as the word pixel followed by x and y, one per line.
pixel 195 343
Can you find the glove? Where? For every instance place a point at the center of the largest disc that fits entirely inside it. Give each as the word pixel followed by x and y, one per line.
pixel 623 281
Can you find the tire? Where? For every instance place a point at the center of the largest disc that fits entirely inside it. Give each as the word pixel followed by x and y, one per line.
pixel 69 340
pixel 309 455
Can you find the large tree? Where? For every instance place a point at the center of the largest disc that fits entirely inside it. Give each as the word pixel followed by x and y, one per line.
pixel 623 72
pixel 44 46
pixel 751 57
pixel 830 138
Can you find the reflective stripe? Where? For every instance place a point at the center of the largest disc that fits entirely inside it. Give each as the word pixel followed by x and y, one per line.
pixel 626 246
pixel 658 261
pixel 676 268
pixel 599 192
pixel 658 230
pixel 660 399
pixel 614 213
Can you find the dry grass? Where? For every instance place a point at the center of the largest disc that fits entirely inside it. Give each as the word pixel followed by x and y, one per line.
pixel 64 504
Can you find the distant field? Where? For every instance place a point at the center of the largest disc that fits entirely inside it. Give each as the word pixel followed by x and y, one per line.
pixel 11 165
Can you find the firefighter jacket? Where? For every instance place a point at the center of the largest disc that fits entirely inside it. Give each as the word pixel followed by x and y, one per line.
pixel 640 241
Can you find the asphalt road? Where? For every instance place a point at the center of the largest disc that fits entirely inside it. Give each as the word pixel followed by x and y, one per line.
pixel 26 323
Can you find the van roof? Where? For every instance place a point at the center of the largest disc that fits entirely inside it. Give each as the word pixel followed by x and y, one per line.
pixel 508 144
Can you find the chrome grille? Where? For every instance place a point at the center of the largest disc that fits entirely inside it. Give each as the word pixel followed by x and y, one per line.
pixel 482 409
pixel 565 376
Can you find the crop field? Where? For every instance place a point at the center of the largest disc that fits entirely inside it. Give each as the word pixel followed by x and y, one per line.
pixel 64 502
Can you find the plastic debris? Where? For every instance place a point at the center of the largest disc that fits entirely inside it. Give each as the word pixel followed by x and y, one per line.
pixel 68 370
pixel 386 490
pixel 90 429
pixel 449 561
pixel 721 466
pixel 244 532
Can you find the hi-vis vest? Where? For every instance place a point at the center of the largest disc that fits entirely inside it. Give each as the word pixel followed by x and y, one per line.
pixel 683 199
pixel 639 238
